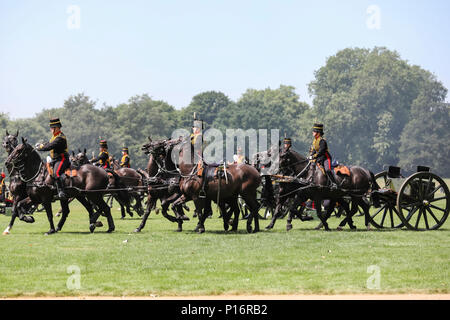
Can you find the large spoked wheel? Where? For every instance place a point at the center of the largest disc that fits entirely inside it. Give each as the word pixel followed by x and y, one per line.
pixel 387 216
pixel 423 201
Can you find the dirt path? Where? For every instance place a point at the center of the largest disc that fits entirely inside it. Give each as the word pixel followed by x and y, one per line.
pixel 257 297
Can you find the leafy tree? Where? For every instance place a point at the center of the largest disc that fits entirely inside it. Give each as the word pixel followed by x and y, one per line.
pixel 207 105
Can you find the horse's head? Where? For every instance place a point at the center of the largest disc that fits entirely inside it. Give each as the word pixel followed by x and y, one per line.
pixel 10 141
pixel 155 148
pixel 80 158
pixel 287 159
pixel 19 153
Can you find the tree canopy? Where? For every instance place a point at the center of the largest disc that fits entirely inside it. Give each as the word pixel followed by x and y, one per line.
pixel 377 110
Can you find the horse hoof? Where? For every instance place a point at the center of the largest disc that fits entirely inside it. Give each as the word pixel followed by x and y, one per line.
pixel 99 224
pixel 137 230
pixel 5 233
pixel 200 230
pixel 269 227
pixel 256 230
pixel 179 230
pixel 185 217
pixel 249 229
pixel 110 230
pixel 288 227
pixel 226 226
pixel 339 228
pixel 49 232
pixel 92 227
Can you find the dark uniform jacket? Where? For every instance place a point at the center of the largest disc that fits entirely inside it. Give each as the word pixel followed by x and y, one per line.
pixel 125 161
pixel 103 160
pixel 57 147
pixel 319 150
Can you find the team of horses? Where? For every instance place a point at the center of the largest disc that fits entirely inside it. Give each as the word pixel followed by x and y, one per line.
pixel 174 177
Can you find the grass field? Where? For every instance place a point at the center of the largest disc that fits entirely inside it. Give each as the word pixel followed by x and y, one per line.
pixel 160 261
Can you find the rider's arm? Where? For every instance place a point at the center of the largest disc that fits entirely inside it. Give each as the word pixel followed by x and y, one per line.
pixel 57 143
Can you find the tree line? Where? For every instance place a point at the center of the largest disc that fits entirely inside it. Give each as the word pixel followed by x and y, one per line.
pixel 377 110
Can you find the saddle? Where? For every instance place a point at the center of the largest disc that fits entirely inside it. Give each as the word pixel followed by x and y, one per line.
pixel 69 172
pixel 210 171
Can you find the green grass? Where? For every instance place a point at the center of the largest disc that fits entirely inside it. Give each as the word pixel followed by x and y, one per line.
pixel 161 261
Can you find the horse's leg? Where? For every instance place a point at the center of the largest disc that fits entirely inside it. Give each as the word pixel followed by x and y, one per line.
pixel 138 206
pixel 107 211
pixel 235 209
pixel 22 209
pixel 318 205
pixel 13 216
pixel 349 213
pixel 164 209
pixel 48 210
pixel 199 205
pixel 65 212
pixel 275 216
pixel 251 202
pixel 151 202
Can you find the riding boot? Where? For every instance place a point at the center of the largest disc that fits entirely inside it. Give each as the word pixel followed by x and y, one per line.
pixel 60 187
pixel 333 183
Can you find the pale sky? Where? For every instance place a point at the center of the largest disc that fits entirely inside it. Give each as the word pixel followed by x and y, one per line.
pixel 173 50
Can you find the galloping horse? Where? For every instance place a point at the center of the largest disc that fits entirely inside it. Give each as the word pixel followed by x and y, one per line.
pixel 241 179
pixel 130 178
pixel 115 181
pixel 163 183
pixel 32 170
pixel 359 182
pixel 16 186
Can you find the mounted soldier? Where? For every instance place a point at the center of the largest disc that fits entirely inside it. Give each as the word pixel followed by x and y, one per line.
pixel 287 144
pixel 239 157
pixel 102 160
pixel 320 154
pixel 58 154
pixel 125 161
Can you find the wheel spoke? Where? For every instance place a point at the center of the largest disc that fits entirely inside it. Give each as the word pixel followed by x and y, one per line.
pixel 384 216
pixel 437 199
pixel 426 219
pixel 392 217
pixel 433 206
pixel 432 214
pixel 411 212
pixel 418 218
pixel 376 213
pixel 433 192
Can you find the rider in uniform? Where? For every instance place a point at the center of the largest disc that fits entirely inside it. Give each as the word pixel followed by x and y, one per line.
pixel 319 153
pixel 59 155
pixel 103 159
pixel 287 144
pixel 125 161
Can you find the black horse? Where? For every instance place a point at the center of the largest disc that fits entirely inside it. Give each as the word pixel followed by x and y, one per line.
pixel 84 186
pixel 163 183
pixel 16 186
pixel 356 185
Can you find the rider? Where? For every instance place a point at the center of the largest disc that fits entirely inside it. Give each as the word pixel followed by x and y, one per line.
pixel 239 157
pixel 102 159
pixel 59 155
pixel 125 161
pixel 287 144
pixel 319 153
